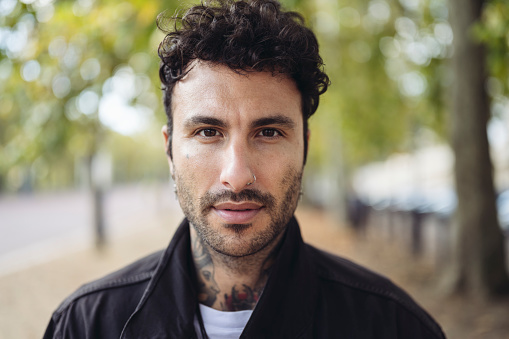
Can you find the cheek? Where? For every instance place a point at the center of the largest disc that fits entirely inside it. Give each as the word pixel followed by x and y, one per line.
pixel 185 155
pixel 275 167
pixel 194 165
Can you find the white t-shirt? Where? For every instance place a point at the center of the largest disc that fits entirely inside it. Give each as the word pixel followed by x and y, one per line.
pixel 220 324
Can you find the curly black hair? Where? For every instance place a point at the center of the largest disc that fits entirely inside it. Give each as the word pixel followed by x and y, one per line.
pixel 246 36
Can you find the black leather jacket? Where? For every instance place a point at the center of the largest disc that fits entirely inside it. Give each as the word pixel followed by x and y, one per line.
pixel 309 294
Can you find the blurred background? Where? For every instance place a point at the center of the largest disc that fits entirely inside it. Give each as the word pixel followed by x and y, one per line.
pixel 408 170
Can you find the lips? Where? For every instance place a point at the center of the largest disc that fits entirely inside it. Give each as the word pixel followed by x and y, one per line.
pixel 237 213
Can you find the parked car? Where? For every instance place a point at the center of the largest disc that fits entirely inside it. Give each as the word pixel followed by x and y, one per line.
pixel 442 203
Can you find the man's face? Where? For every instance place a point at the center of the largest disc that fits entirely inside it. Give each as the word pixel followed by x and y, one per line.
pixel 228 129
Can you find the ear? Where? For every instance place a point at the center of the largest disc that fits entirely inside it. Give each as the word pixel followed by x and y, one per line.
pixel 166 137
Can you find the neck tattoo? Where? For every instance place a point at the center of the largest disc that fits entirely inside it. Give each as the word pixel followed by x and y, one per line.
pixel 236 298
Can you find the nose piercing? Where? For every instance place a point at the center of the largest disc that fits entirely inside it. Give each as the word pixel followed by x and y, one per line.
pixel 252 182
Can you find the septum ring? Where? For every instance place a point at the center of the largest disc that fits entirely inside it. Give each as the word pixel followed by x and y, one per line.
pixel 252 182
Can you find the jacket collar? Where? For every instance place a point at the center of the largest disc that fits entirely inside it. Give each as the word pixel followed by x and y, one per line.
pixel 287 305
pixel 169 303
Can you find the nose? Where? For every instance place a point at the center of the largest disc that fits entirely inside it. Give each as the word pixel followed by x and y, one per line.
pixel 236 172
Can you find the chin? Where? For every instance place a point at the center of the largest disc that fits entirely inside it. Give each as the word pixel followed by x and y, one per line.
pixel 238 251
pixel 238 240
pixel 241 244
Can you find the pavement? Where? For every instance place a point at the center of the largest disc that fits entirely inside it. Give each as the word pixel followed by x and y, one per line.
pixel 40 227
pixel 32 291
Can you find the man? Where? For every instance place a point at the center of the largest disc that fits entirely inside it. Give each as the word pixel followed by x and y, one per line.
pixel 240 80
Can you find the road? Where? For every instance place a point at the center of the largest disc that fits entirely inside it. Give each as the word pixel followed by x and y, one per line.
pixel 38 227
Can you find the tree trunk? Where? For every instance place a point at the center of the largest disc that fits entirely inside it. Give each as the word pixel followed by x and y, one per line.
pixel 97 202
pixel 478 266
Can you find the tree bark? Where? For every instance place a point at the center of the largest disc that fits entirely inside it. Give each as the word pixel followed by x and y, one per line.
pixel 478 266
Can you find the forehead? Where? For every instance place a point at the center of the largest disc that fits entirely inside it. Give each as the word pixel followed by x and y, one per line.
pixel 214 89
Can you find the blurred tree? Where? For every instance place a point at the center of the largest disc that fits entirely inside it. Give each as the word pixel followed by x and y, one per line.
pixel 492 30
pixel 73 74
pixel 386 63
pixel 479 257
pixel 389 63
pixel 385 59
pixel 75 57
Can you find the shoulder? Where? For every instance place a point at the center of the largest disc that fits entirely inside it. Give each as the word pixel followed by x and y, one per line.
pixel 133 274
pixel 116 294
pixel 343 271
pixel 362 284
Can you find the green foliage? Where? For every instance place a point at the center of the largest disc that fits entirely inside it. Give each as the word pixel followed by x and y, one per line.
pixel 59 62
pixel 387 60
pixel 493 31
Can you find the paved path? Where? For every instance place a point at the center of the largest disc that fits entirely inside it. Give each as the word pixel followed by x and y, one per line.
pixel 36 228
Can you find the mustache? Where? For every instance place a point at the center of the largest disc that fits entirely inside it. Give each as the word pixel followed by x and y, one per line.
pixel 253 195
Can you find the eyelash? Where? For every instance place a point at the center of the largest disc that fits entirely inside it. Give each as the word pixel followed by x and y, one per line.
pixel 259 133
pixel 200 132
pixel 276 132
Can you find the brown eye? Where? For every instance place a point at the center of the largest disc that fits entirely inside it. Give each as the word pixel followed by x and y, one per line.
pixel 269 133
pixel 208 132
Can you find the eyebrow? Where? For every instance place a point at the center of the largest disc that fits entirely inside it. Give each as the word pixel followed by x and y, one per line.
pixel 204 120
pixel 279 120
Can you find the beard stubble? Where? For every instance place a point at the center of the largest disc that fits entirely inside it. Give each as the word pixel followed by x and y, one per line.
pixel 196 210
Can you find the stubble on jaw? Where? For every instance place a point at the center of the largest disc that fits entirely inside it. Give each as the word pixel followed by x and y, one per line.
pixel 196 209
pixel 237 228
pixel 262 250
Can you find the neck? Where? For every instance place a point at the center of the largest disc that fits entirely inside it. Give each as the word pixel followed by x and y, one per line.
pixel 228 283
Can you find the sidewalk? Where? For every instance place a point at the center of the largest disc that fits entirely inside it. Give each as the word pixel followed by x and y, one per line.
pixel 28 297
